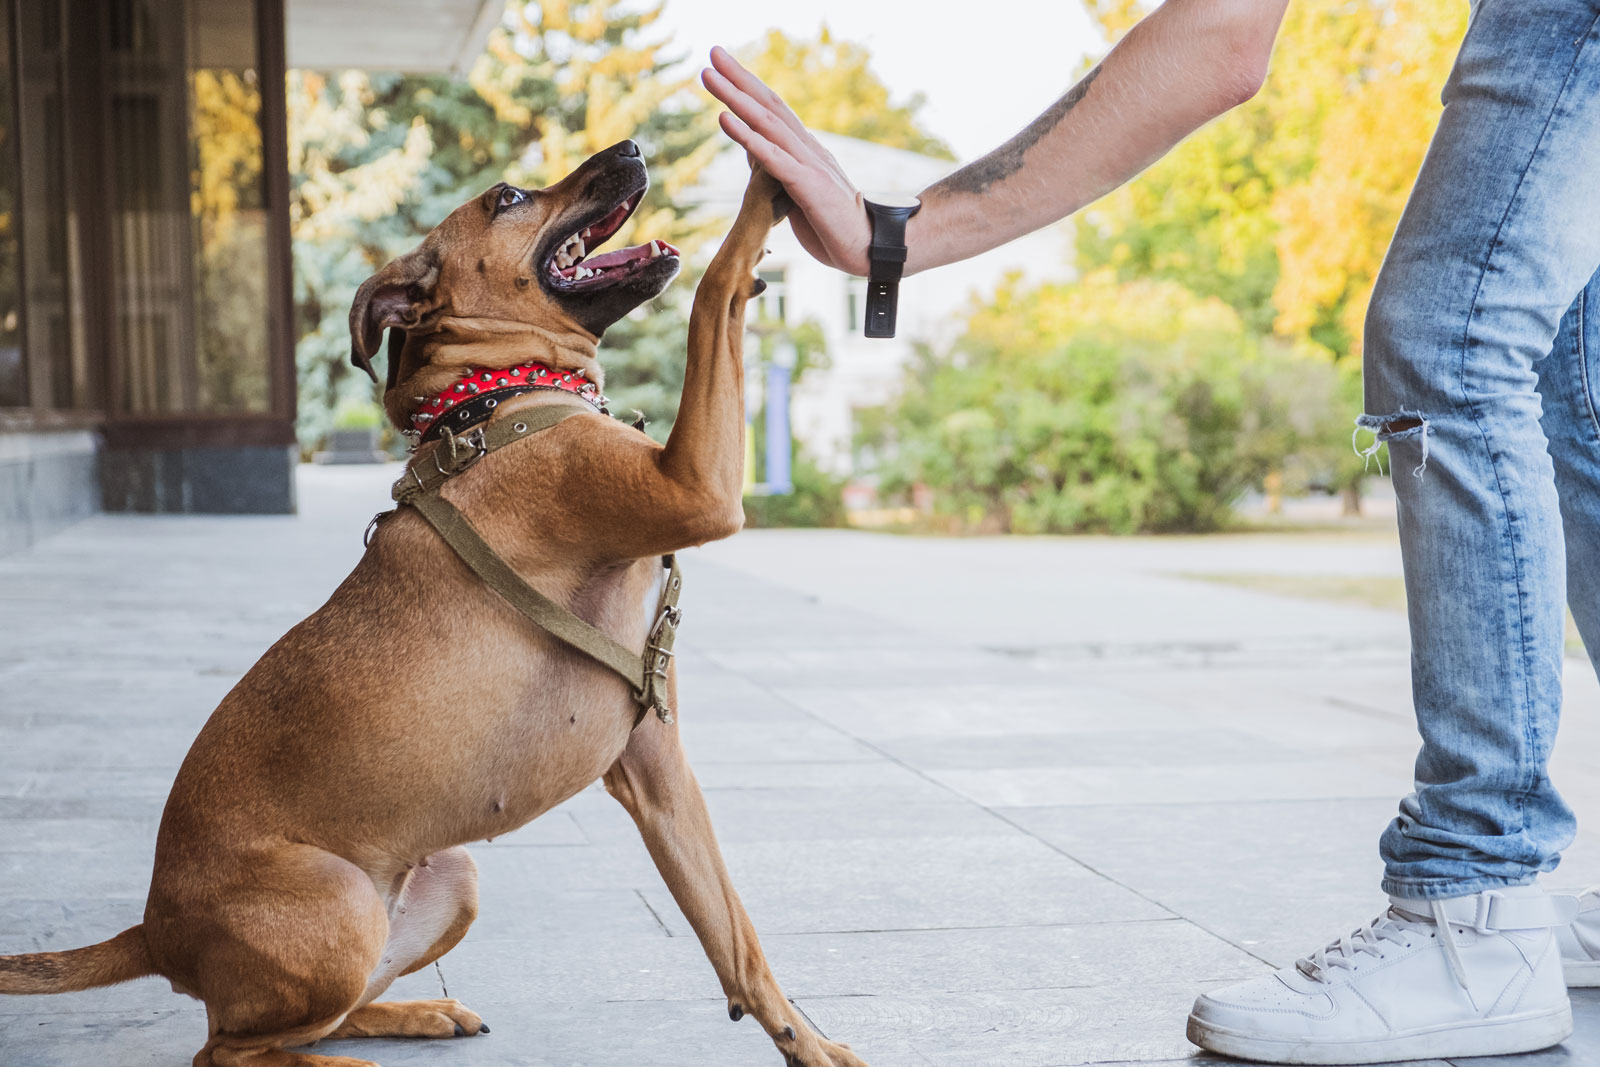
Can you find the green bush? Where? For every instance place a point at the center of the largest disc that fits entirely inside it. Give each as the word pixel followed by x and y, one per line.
pixel 1110 406
pixel 817 500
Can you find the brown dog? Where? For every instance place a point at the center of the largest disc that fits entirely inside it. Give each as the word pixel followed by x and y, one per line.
pixel 310 852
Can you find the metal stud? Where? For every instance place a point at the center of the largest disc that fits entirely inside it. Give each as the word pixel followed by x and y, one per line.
pixel 502 381
pixel 461 388
pixel 516 372
pixel 472 387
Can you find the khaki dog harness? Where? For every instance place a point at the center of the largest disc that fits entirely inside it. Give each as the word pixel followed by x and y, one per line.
pixel 420 487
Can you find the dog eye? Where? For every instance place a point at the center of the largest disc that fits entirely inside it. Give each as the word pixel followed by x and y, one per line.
pixel 511 195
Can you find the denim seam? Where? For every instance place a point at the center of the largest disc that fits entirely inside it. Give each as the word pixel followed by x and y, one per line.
pixel 1530 729
pixel 1426 888
pixel 1583 362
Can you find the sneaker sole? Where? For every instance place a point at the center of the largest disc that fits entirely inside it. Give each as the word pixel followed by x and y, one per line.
pixel 1581 974
pixel 1500 1037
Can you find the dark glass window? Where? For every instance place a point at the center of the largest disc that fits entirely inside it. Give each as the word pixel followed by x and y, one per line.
pixel 229 207
pixel 13 374
pixel 190 220
pixel 52 341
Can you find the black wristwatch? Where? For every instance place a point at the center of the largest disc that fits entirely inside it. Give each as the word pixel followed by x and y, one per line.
pixel 887 257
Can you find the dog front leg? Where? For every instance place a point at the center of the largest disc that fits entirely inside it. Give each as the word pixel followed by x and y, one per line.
pixel 653 782
pixel 643 499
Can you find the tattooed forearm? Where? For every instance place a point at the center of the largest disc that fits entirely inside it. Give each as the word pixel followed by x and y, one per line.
pixel 977 176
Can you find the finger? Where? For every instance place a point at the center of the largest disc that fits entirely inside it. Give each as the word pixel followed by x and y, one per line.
pixel 734 71
pixel 778 163
pixel 757 116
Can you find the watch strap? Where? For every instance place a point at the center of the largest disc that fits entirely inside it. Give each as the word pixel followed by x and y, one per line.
pixel 886 257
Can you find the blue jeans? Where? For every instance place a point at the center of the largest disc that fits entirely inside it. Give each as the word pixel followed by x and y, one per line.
pixel 1483 375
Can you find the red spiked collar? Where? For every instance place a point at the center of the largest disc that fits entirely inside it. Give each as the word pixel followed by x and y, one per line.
pixel 478 391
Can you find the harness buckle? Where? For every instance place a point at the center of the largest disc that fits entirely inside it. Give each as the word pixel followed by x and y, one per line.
pixel 663 659
pixel 474 440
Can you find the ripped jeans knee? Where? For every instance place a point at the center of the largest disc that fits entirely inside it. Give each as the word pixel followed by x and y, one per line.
pixel 1398 426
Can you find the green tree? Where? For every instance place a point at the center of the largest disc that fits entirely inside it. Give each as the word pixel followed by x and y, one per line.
pixel 831 86
pixel 1284 206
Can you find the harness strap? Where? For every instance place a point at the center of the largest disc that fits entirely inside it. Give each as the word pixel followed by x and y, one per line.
pixel 420 489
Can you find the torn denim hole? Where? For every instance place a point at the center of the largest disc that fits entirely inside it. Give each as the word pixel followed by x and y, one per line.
pixel 1397 427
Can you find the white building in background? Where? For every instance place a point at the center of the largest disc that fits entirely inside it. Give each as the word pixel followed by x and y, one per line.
pixel 933 305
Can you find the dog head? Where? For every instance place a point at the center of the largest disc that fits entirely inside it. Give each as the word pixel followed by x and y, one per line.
pixel 512 275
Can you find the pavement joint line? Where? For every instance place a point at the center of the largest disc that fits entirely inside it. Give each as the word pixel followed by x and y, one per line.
pixel 653 913
pixel 1367 709
pixel 1087 866
pixel 443 988
pixel 970 929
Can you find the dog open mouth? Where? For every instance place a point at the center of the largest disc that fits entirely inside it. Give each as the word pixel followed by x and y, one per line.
pixel 573 266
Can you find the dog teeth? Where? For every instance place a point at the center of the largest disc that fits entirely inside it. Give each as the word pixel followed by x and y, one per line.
pixel 572 250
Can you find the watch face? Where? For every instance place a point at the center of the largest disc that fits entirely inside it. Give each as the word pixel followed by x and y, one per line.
pixel 892 200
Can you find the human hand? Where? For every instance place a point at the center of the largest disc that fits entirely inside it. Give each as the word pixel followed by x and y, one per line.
pixel 829 218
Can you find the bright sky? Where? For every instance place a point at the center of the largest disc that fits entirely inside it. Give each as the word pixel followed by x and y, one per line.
pixel 986 73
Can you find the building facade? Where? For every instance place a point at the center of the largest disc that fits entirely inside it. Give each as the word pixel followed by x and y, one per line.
pixel 146 356
pixel 146 306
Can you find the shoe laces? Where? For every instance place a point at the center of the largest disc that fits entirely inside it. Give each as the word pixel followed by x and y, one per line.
pixel 1394 926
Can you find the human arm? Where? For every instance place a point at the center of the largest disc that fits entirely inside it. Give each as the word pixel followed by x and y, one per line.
pixel 1184 64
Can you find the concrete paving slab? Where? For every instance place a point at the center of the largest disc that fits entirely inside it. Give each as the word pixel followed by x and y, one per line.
pixel 913 963
pixel 1277 879
pixel 1110 748
pixel 1197 783
pixel 1015 1028
pixel 996 706
pixel 917 883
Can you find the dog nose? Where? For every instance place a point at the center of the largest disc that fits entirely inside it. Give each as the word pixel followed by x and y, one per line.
pixel 627 148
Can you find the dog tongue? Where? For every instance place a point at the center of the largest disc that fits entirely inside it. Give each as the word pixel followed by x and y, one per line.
pixel 617 258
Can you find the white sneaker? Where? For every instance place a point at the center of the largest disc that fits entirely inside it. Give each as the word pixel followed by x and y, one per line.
pixel 1580 942
pixel 1471 976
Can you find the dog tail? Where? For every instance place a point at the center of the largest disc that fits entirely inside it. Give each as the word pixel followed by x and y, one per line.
pixel 121 959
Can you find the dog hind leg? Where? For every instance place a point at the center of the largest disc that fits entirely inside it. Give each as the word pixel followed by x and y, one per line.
pixel 427 918
pixel 653 782
pixel 281 957
pixel 412 1018
pixel 273 1057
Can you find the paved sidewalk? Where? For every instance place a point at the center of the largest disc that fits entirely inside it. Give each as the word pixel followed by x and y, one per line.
pixel 989 802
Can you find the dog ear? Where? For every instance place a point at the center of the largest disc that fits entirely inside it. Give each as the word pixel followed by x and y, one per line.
pixel 396 296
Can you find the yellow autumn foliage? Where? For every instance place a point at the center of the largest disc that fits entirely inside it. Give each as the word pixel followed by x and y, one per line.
pixel 1334 226
pixel 1284 206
